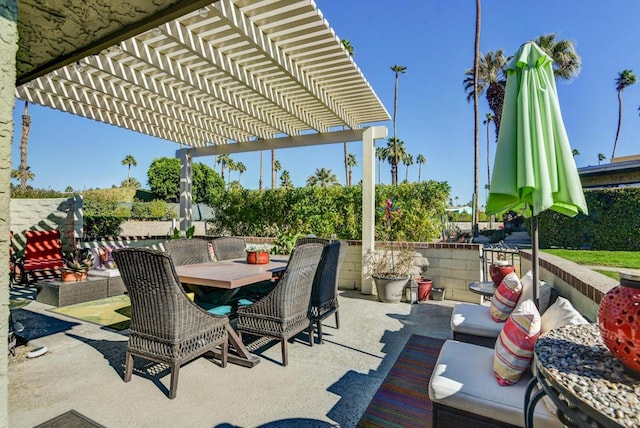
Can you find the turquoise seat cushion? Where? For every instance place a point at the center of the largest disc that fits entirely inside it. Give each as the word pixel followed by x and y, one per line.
pixel 220 310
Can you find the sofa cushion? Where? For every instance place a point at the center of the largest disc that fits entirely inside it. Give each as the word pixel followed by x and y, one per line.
pixel 505 297
pixel 559 314
pixel 514 347
pixel 471 318
pixel 462 378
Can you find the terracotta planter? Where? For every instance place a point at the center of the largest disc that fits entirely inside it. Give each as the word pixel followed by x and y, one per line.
pixel 390 289
pixel 71 276
pixel 424 289
pixel 619 322
pixel 499 269
pixel 257 257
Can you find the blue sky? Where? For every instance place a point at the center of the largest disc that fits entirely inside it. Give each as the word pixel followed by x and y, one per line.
pixel 434 40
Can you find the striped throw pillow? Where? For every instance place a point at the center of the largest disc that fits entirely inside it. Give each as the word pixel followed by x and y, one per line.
pixel 514 347
pixel 505 297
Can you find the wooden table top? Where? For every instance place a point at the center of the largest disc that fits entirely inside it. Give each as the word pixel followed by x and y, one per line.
pixel 230 274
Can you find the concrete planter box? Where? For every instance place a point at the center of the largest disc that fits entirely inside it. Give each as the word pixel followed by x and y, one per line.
pixel 57 293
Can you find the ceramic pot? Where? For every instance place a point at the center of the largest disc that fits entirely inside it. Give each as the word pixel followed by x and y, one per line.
pixel 390 288
pixel 424 289
pixel 499 269
pixel 71 276
pixel 619 322
pixel 257 257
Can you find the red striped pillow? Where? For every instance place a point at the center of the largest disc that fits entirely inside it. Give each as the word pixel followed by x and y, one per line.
pixel 514 347
pixel 505 297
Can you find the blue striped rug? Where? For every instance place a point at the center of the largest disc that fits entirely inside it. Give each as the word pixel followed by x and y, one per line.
pixel 402 400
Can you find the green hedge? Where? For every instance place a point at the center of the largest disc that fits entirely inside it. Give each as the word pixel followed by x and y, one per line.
pixel 612 224
pixel 334 211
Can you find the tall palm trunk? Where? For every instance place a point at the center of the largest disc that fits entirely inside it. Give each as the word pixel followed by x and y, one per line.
pixel 260 181
pixel 419 172
pixel 273 169
pixel 26 127
pixel 613 154
pixel 476 119
pixel 394 165
pixel 488 156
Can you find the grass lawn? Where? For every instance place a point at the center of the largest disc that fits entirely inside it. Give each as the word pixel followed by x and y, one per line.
pixel 616 259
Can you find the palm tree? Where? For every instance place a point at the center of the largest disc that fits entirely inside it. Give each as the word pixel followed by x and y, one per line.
pixel 601 157
pixel 347 46
pixel 19 174
pixel 491 77
pixel 575 152
pixel 273 169
pixel 395 150
pixel 260 180
pixel 380 155
pixel 476 127
pixel 566 61
pixel 231 165
pixel 241 168
pixel 407 160
pixel 223 160
pixel 26 127
pixel 489 118
pixel 276 166
pixel 285 180
pixel 625 78
pixel 420 160
pixel 351 162
pixel 397 69
pixel 322 178
pixel 129 161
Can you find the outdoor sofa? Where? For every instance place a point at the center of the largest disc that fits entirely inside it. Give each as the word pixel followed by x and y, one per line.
pixel 464 390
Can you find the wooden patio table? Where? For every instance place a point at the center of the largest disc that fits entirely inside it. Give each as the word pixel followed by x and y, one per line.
pixel 231 275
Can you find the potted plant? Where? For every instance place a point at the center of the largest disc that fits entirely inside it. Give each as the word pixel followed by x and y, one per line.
pixel 258 254
pixel 77 262
pixel 392 264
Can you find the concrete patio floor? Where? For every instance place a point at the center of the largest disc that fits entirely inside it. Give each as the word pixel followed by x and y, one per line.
pixel 324 385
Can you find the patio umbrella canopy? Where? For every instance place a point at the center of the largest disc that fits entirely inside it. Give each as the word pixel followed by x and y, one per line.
pixel 534 169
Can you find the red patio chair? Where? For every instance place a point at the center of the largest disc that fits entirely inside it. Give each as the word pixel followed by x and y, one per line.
pixel 42 254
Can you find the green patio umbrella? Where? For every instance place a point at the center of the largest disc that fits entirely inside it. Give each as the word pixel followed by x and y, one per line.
pixel 534 169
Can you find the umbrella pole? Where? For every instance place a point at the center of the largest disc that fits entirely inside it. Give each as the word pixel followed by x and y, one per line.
pixel 534 260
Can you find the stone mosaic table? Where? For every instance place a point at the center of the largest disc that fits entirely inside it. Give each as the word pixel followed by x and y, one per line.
pixel 588 385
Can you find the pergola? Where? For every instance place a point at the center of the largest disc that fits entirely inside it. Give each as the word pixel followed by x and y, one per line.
pixel 217 77
pixel 227 77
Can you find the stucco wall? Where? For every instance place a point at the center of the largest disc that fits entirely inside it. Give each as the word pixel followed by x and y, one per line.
pixel 64 214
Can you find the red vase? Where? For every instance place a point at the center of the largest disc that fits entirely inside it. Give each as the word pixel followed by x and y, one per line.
pixel 499 269
pixel 619 321
pixel 424 289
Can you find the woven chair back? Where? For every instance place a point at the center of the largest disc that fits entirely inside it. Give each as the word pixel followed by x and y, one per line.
pixel 159 306
pixel 325 283
pixel 229 247
pixel 188 251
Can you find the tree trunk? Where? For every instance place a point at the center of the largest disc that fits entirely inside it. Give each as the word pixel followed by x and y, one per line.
pixel 394 166
pixel 260 181
pixel 26 127
pixel 419 172
pixel 615 143
pixel 273 169
pixel 476 57
pixel 346 165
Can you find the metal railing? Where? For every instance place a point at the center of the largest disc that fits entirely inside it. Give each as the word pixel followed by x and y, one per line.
pixel 500 251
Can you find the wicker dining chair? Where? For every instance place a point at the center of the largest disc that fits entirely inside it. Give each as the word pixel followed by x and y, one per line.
pixel 229 247
pixel 312 240
pixel 324 293
pixel 185 251
pixel 166 326
pixel 282 313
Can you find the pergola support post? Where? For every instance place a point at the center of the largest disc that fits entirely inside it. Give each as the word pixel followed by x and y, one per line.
pixel 186 170
pixel 368 204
